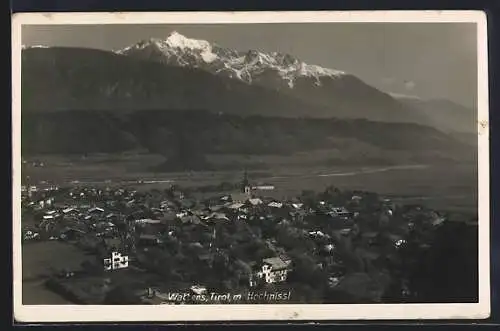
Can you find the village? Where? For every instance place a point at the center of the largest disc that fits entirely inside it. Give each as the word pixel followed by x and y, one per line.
pixel 173 247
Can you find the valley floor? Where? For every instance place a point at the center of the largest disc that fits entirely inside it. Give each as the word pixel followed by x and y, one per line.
pixel 440 186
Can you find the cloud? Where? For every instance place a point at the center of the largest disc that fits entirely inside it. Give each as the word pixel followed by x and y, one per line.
pixel 409 85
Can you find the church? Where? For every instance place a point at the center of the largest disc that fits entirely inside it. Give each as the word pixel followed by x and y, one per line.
pixel 245 191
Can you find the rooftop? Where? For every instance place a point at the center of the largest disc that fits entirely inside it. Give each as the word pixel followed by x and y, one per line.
pixel 276 263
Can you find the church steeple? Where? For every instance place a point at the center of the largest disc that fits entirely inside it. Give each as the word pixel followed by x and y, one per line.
pixel 245 184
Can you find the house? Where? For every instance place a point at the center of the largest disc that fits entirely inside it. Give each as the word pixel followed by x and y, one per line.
pixel 329 248
pixel 49 202
pixel 190 219
pixel 30 235
pixel 236 205
pixel 275 204
pixel 197 289
pixel 150 239
pixel 240 197
pixel 216 217
pixel 148 221
pixel 255 202
pixel 104 225
pixel 436 219
pixel 399 243
pixel 116 261
pixel 96 210
pixel 356 198
pixel 317 234
pixel 334 281
pixel 225 198
pixel 166 204
pixel 340 212
pixel 393 238
pixel 70 210
pixel 178 195
pixel 273 270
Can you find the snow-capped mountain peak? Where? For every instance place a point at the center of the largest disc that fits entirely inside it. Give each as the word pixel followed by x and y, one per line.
pixel 176 39
pixel 174 45
pixel 249 66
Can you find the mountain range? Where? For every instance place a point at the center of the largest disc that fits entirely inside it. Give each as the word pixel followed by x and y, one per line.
pixel 341 94
pixel 315 91
pixel 328 92
pixel 164 76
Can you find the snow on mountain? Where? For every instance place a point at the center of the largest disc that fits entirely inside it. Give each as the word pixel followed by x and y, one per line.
pixel 175 45
pixel 248 66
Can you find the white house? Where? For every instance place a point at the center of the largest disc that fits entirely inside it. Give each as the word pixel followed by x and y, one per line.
pixel 273 270
pixel 117 261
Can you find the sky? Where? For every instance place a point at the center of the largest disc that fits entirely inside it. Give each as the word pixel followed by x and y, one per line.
pixel 429 60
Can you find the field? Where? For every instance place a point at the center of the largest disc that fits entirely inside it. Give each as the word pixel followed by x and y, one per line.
pixel 41 259
pixel 440 186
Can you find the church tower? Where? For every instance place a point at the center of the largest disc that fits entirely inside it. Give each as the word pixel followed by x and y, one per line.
pixel 245 185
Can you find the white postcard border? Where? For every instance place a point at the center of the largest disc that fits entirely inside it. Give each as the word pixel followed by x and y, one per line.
pixel 200 313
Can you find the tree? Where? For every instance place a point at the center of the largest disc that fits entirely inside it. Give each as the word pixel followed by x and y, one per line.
pixel 332 195
pixel 305 270
pixel 449 272
pixel 308 198
pixel 241 272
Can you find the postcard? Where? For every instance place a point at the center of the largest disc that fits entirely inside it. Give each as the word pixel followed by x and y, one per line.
pixel 250 166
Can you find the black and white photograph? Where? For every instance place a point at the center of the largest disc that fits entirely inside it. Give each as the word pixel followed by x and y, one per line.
pixel 241 166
